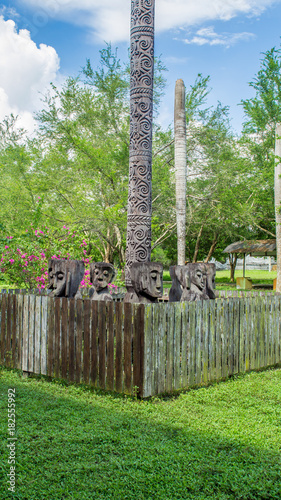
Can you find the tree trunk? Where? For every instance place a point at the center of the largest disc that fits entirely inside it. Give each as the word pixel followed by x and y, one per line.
pixel 212 248
pixel 277 201
pixel 197 244
pixel 180 167
pixel 232 262
pixel 108 248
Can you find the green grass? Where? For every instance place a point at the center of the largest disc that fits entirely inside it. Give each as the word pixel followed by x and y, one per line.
pixel 256 276
pixel 221 442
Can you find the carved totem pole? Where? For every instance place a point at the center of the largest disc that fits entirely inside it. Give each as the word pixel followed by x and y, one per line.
pixel 141 111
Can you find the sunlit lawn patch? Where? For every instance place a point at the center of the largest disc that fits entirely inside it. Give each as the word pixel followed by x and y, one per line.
pixel 221 442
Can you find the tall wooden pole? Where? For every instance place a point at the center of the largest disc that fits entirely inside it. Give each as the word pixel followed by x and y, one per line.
pixel 277 202
pixel 141 111
pixel 180 167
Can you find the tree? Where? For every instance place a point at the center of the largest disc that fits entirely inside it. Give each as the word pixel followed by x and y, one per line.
pixel 263 112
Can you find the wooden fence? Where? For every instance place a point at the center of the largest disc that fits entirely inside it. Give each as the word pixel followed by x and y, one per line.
pixel 157 348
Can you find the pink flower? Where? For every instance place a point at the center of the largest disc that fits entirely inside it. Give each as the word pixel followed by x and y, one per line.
pixel 6 246
pixel 11 260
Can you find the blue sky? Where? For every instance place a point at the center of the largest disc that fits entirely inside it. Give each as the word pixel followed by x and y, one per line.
pixel 48 40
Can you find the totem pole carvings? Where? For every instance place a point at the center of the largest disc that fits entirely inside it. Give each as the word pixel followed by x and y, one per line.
pixel 65 277
pixel 147 282
pixel 101 274
pixel 192 282
pixel 141 111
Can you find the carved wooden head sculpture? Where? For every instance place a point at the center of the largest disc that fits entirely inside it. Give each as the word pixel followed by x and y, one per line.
pixel 180 283
pixel 147 280
pixel 65 277
pixel 210 284
pixel 101 274
pixel 197 275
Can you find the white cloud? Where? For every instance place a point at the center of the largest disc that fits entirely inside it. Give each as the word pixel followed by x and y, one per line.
pixel 207 36
pixel 109 19
pixel 25 70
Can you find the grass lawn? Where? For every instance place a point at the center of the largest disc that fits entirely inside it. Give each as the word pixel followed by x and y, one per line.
pixel 221 442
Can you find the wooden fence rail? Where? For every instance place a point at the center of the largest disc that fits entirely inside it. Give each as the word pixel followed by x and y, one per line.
pixel 157 348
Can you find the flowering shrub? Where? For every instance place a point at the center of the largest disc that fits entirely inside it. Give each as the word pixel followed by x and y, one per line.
pixel 24 261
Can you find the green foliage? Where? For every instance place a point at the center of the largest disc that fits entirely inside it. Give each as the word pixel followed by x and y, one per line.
pixel 220 442
pixel 24 260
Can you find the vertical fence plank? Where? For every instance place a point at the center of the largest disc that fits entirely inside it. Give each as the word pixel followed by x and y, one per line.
pixel 8 349
pixel 79 332
pixel 119 346
pixel 212 345
pixel 128 312
pixel 262 333
pixel 162 349
pixel 102 343
pixel 191 350
pixel 224 338
pixel 255 356
pixel 184 343
pixel 44 323
pixel 148 337
pixel 138 347
pixel 57 337
pixel 198 341
pixel 278 305
pixel 274 330
pixel 267 332
pixel 236 334
pixel 94 341
pixel 170 345
pixel 155 348
pixel 31 332
pixel 110 347
pixel 230 342
pixel 3 327
pixel 177 345
pixel 247 330
pixel 25 333
pixel 205 341
pixel 86 345
pixel 50 336
pixel 279 329
pixel 19 329
pixel 241 335
pixel 64 338
pixel 219 328
pixel 14 333
pixel 37 336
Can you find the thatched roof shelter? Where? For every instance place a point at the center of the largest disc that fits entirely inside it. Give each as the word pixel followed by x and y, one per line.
pixel 253 247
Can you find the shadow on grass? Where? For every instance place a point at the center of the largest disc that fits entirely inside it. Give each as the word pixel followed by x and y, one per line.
pixel 75 444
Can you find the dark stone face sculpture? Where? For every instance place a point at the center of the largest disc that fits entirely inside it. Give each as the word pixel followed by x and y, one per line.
pixel 147 282
pixel 181 283
pixel 65 277
pixel 101 274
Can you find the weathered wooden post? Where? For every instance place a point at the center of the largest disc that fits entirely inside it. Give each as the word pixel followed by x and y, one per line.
pixel 277 195
pixel 180 166
pixel 141 111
